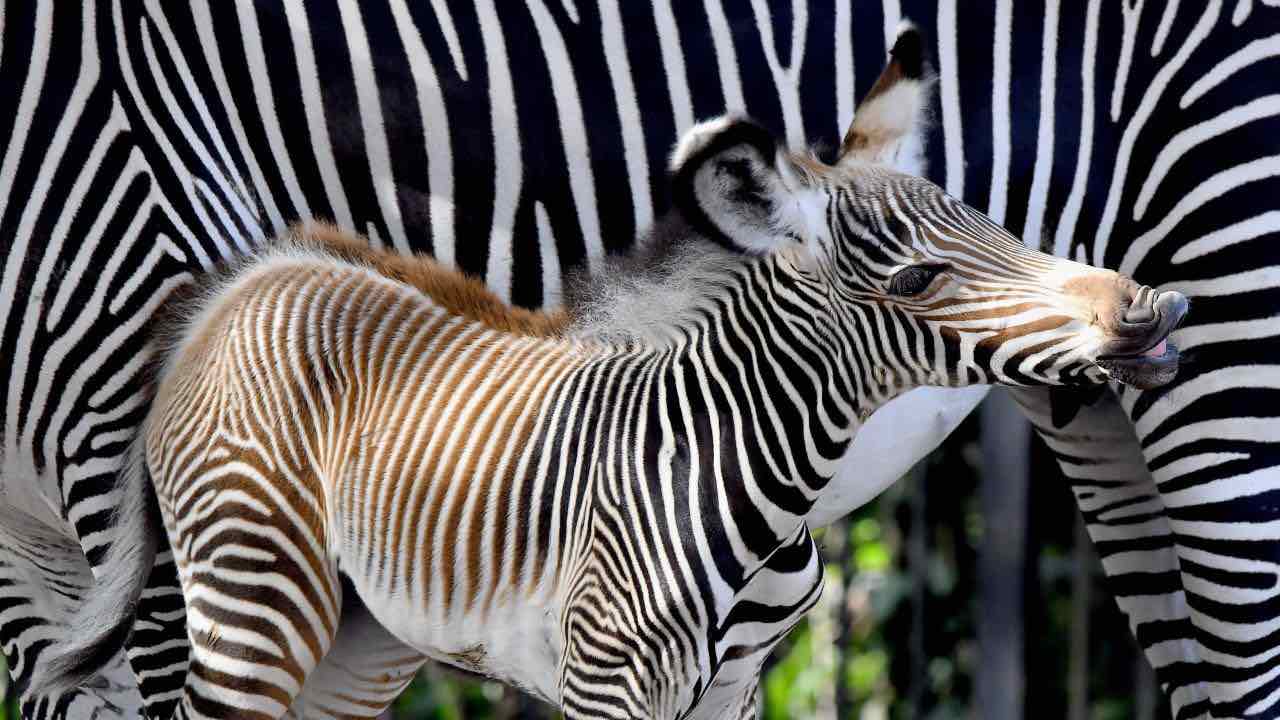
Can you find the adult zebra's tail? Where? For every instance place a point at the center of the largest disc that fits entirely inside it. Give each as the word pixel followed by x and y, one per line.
pixel 103 623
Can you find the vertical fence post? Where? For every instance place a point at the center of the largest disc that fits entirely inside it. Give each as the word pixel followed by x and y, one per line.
pixel 1082 577
pixel 841 552
pixel 917 565
pixel 1145 688
pixel 1000 681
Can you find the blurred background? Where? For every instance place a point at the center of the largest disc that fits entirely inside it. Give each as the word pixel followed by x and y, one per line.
pixel 966 590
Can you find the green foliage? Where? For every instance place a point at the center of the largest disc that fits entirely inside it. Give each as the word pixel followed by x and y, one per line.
pixel 791 687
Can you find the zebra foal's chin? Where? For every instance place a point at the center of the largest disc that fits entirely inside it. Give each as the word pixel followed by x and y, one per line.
pixel 605 507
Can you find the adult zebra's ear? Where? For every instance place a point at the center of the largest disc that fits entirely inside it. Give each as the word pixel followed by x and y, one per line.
pixel 734 185
pixel 889 123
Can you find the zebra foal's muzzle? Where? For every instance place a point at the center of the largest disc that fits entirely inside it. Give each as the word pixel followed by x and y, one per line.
pixel 1139 352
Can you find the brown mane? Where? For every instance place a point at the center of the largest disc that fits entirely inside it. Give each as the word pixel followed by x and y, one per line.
pixel 456 292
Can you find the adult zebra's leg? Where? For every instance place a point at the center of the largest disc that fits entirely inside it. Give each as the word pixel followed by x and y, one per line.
pixel 364 672
pixel 1211 444
pixel 43 575
pixel 158 649
pixel 1098 452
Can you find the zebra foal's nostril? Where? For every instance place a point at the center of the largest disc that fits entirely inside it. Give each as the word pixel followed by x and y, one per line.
pixel 1142 309
pixel 1149 307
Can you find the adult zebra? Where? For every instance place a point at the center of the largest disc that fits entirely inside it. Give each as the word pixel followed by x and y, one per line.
pixel 591 504
pixel 199 129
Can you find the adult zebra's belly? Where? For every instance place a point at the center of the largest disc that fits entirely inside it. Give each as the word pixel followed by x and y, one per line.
pixel 894 438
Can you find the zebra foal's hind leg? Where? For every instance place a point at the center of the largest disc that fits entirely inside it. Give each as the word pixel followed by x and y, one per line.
pixel 262 597
pixel 364 672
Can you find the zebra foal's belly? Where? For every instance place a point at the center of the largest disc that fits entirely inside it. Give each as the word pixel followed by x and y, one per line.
pixel 517 640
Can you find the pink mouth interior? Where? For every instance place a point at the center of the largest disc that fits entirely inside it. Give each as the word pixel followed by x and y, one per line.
pixel 1156 351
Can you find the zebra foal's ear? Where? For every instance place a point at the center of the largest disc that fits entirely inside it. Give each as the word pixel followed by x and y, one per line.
pixel 733 184
pixel 888 123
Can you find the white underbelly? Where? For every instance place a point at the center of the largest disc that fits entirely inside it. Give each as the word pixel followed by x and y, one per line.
pixel 518 643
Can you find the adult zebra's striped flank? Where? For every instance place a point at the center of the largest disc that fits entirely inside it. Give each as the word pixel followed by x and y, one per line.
pixel 606 509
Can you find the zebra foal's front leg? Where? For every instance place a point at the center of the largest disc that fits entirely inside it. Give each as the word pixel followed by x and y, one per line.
pixel 365 671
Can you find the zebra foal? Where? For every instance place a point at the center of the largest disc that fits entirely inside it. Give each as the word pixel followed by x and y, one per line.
pixel 605 508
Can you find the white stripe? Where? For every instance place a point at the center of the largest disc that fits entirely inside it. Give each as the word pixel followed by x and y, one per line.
pixel 629 116
pixel 571 10
pixel 31 210
pixel 673 63
pixel 1232 283
pixel 1255 51
pixel 549 257
pixel 381 173
pixel 1166 24
pixel 317 124
pixel 1187 140
pixel 1212 188
pixel 577 155
pixel 90 167
pixel 434 114
pixel 1075 200
pixel 441 10
pixel 1039 198
pixel 1001 132
pixel 69 391
pixel 786 80
pixel 1204 385
pixel 1128 39
pixel 1136 123
pixel 240 197
pixel 892 16
pixel 214 202
pixel 256 62
pixel 202 15
pixel 507 165
pixel 1239 232
pixel 949 67
pixel 13 153
pixel 845 83
pixel 1242 11
pixel 1223 332
pixel 726 57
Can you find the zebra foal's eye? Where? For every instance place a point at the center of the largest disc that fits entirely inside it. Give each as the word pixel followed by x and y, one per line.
pixel 915 279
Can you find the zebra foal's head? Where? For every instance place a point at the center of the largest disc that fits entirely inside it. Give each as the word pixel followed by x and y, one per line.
pixel 931 288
